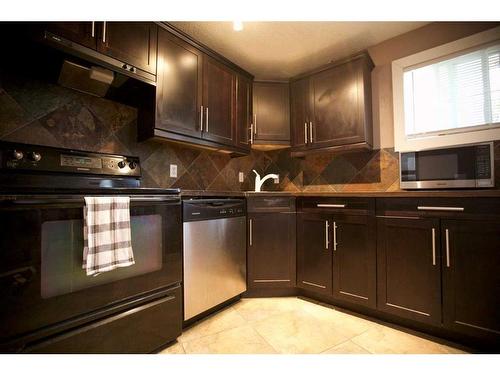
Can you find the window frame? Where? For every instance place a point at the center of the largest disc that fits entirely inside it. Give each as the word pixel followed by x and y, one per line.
pixel 453 137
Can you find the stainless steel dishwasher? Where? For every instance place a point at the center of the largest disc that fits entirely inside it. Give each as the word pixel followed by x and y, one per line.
pixel 214 253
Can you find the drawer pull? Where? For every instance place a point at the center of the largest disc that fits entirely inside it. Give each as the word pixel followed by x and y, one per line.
pixel 312 284
pixel 439 208
pixel 433 246
pixel 329 205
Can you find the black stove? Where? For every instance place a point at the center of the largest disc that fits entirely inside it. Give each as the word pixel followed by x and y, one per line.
pixel 33 169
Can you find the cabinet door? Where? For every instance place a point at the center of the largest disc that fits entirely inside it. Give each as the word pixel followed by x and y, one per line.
pixel 354 259
pixel 299 110
pixel 271 110
pixel 314 253
pixel 243 112
pixel 337 108
pixel 84 33
pixel 471 277
pixel 134 43
pixel 219 88
pixel 409 268
pixel 179 84
pixel 271 250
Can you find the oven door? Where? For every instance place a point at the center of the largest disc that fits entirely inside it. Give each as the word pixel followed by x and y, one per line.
pixel 42 283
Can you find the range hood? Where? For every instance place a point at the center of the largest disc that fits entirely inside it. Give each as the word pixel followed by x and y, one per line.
pixel 94 80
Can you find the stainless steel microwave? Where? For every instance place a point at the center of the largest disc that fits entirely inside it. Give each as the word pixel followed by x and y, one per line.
pixel 469 166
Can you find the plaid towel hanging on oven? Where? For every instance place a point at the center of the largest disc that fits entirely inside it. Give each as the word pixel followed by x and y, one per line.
pixel 106 234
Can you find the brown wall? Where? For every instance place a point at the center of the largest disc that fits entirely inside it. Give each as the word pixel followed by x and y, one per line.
pixel 383 54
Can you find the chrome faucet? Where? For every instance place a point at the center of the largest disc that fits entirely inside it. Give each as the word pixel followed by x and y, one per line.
pixel 259 181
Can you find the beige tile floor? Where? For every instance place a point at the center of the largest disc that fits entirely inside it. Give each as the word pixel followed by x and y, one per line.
pixel 292 325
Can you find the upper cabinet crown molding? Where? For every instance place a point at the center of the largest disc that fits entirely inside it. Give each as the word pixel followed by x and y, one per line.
pixel 331 107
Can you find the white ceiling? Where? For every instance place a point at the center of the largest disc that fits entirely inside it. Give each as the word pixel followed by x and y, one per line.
pixel 280 50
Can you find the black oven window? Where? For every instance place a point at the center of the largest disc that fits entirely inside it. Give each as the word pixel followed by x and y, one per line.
pixel 62 255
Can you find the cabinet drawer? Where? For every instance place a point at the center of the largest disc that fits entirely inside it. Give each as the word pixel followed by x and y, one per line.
pixel 359 206
pixel 271 204
pixel 139 330
pixel 439 207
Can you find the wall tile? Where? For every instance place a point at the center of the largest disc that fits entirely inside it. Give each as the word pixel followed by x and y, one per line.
pixel 33 111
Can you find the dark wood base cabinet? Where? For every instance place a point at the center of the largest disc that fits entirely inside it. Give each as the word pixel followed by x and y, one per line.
pixel 271 245
pixel 471 277
pixel 336 250
pixel 409 268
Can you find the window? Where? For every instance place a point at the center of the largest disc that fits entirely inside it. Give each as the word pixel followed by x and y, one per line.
pixel 448 95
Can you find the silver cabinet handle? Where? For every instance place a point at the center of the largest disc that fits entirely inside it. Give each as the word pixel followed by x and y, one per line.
pixel 251 133
pixel 255 123
pixel 334 236
pixel 327 241
pixel 201 118
pixel 251 231
pixel 305 132
pixel 433 246
pixel 447 248
pixel 104 32
pixel 206 119
pixel 328 205
pixel 310 131
pixel 93 29
pixel 439 208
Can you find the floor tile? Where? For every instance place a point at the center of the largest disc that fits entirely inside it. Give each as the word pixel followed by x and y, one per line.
pixel 348 325
pixel 297 332
pixel 240 340
pixel 175 348
pixel 226 319
pixel 385 340
pixel 347 347
pixel 254 309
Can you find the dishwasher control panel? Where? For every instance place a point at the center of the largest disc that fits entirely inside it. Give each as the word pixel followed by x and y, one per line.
pixel 209 209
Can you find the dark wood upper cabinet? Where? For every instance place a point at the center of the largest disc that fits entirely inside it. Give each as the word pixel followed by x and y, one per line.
pixel 299 111
pixel 331 108
pixel 219 89
pixel 243 111
pixel 409 268
pixel 354 259
pixel 314 253
pixel 271 111
pixel 131 42
pixel 471 277
pixel 179 87
pixel 84 33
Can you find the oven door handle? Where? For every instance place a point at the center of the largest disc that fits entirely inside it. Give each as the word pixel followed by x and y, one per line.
pixel 80 200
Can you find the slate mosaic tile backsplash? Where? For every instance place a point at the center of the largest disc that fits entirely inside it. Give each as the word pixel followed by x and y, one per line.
pixel 33 111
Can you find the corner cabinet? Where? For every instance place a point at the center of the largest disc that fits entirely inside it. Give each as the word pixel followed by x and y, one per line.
pixel 331 108
pixel 271 244
pixel 200 100
pixel 271 115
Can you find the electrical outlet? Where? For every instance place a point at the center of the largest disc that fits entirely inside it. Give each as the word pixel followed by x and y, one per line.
pixel 241 177
pixel 277 180
pixel 173 170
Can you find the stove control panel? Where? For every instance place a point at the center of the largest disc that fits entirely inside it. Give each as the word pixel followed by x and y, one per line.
pixel 24 157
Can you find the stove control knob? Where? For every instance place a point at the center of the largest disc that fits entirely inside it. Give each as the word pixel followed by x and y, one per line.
pixel 35 156
pixel 122 164
pixel 17 155
pixel 132 165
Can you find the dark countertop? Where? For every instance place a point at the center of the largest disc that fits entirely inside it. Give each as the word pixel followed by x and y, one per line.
pixel 495 193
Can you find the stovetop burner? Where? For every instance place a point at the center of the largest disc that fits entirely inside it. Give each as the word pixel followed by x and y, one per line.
pixel 32 169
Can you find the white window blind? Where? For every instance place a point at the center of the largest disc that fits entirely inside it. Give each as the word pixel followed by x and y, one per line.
pixel 455 95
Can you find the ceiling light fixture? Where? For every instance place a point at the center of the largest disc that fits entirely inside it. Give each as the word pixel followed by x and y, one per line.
pixel 237 25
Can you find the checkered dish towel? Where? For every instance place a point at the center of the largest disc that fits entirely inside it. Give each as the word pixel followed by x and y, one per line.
pixel 106 234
